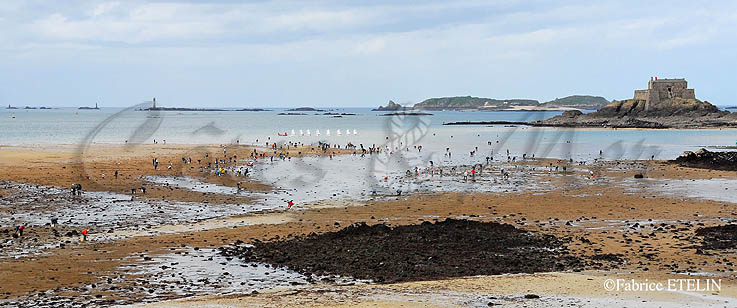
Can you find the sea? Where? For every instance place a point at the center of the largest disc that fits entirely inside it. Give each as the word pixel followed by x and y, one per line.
pixel 358 126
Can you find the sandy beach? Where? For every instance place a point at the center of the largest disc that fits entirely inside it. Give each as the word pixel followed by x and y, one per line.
pixel 651 233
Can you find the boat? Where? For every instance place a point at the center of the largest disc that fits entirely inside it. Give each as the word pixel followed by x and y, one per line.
pixel 284 134
pixel 347 131
pixel 355 132
pixel 337 132
pixel 308 132
pixel 293 133
pixel 327 132
pixel 301 133
pixel 14 116
pixel 317 133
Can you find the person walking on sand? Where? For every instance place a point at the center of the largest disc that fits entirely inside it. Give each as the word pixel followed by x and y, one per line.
pixel 84 235
pixel 473 175
pixel 143 189
pixel 115 175
pixel 465 176
pixel 19 230
pixel 290 203
pixel 54 220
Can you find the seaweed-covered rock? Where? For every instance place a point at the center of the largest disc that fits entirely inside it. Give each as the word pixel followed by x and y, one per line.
pixel 451 248
pixel 708 160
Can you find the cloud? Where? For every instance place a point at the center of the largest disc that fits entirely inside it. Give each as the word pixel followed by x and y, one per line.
pixel 441 47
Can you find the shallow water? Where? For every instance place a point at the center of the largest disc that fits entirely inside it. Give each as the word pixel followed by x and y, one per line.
pixel 717 189
pixel 115 125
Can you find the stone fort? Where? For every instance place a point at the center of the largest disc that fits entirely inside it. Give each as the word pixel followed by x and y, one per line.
pixel 660 89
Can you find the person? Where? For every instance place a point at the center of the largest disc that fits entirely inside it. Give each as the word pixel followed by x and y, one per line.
pixel 473 175
pixel 399 192
pixel 290 204
pixel 103 175
pixel 116 174
pixel 143 189
pixel 54 220
pixel 84 235
pixel 465 175
pixel 19 230
pixel 239 185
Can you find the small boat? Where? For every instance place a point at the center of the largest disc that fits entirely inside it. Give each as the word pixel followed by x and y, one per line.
pixel 347 131
pixel 14 116
pixel 337 132
pixel 308 132
pixel 293 133
pixel 327 132
pixel 301 133
pixel 355 132
pixel 284 134
pixel 317 133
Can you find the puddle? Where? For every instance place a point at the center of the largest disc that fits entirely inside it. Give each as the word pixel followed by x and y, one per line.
pixel 721 190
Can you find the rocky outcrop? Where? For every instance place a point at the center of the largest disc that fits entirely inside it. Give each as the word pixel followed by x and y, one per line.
pixel 666 108
pixel 428 251
pixel 708 160
pixel 633 113
pixel 391 106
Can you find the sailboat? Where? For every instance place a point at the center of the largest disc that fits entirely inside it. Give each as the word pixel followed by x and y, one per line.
pixel 327 132
pixel 301 133
pixel 317 133
pixel 337 132
pixel 355 132
pixel 308 132
pixel 347 131
pixel 14 116
pixel 293 133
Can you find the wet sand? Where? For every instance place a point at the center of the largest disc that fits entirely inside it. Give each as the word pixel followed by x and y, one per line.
pixel 654 233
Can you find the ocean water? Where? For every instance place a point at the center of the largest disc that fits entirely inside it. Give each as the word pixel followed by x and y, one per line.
pixel 118 126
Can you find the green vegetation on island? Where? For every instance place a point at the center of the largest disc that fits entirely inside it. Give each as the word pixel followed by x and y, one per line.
pixel 578 102
pixel 472 103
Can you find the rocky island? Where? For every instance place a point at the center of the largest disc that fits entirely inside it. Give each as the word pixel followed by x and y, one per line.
pixel 475 103
pixel 391 106
pixel 666 103
pixel 306 109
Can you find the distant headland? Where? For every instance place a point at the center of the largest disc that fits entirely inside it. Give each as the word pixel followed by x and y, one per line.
pixel 471 103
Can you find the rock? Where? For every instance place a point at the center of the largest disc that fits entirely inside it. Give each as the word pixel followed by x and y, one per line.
pixel 385 254
pixel 571 113
pixel 391 106
pixel 639 176
pixel 706 159
pixel 531 296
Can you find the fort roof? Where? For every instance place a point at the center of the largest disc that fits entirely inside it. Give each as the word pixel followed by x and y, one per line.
pixel 669 80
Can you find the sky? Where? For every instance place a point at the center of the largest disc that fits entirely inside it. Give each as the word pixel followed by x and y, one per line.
pixel 358 53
